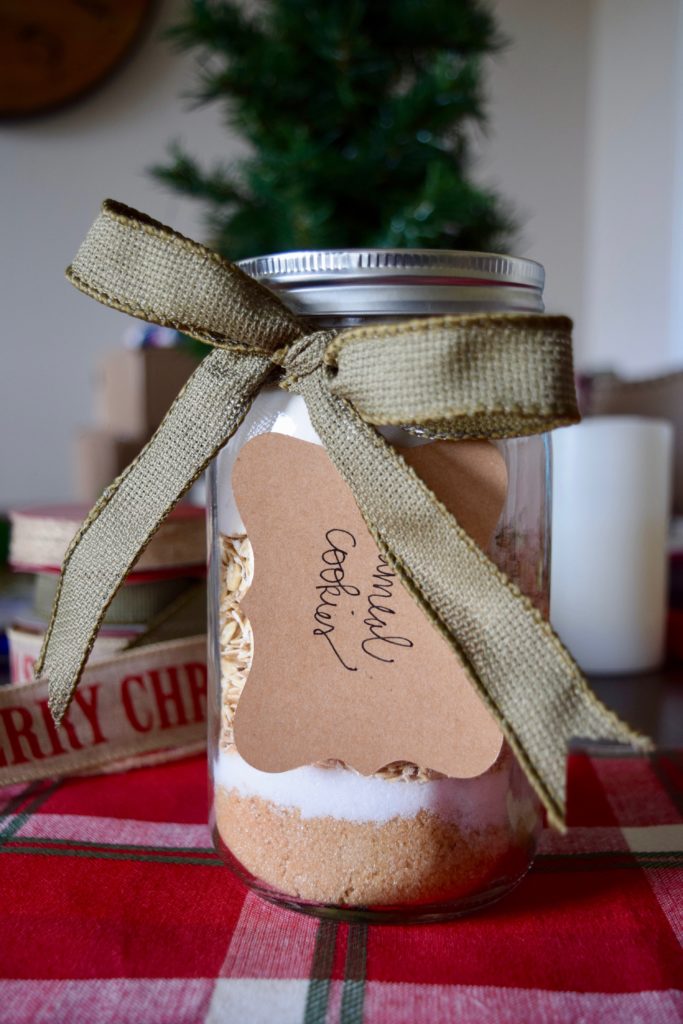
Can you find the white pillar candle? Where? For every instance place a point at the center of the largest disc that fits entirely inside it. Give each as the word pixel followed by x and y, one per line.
pixel 611 507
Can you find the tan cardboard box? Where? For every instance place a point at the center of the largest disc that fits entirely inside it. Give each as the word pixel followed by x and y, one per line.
pixel 99 458
pixel 135 387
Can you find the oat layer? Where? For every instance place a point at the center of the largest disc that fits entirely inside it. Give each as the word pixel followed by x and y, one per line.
pixel 423 859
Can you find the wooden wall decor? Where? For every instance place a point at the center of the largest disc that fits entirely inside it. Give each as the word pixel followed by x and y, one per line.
pixel 54 51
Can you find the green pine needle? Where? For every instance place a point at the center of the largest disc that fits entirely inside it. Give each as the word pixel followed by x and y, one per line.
pixel 358 114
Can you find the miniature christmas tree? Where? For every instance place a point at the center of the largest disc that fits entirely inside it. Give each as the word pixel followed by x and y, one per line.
pixel 359 115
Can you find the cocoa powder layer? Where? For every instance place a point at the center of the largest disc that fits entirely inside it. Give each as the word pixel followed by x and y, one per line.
pixel 423 859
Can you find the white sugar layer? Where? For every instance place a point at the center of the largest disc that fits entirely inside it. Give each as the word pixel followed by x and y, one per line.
pixel 338 793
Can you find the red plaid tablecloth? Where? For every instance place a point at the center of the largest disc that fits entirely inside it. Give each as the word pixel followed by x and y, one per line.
pixel 115 909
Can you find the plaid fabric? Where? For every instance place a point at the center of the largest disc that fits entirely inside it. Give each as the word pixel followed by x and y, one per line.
pixel 115 909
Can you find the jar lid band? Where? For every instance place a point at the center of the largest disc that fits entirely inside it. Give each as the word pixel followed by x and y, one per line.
pixel 385 282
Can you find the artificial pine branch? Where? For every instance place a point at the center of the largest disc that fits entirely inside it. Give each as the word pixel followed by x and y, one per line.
pixel 359 116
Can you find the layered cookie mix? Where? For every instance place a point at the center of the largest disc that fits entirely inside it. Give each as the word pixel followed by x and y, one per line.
pixel 325 834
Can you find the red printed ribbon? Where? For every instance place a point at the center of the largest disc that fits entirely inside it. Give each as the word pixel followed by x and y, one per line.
pixel 147 699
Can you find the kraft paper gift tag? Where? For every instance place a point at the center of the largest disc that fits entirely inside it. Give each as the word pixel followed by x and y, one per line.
pixel 346 666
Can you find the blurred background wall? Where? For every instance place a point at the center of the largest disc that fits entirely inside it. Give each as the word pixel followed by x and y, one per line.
pixel 586 139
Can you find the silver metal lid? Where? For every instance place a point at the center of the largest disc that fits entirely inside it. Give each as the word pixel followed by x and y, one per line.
pixel 394 282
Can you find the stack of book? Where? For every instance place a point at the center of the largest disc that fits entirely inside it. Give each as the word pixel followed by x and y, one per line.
pixel 163 598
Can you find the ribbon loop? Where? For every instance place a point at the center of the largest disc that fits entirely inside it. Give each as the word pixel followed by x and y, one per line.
pixel 143 268
pixel 494 375
pixel 499 375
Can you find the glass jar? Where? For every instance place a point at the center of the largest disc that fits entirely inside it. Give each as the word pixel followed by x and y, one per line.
pixel 406 843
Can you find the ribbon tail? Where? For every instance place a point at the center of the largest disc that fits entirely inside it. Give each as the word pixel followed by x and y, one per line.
pixel 203 417
pixel 133 263
pixel 516 662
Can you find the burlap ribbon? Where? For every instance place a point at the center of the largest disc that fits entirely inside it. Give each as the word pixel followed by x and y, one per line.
pixel 476 376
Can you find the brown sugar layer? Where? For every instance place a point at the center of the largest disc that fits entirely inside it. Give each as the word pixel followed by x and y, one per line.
pixel 422 859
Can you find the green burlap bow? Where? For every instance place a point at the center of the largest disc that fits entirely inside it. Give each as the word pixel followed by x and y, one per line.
pixel 474 376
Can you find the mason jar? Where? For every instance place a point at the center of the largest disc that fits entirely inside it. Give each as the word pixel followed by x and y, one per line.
pixel 407 841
